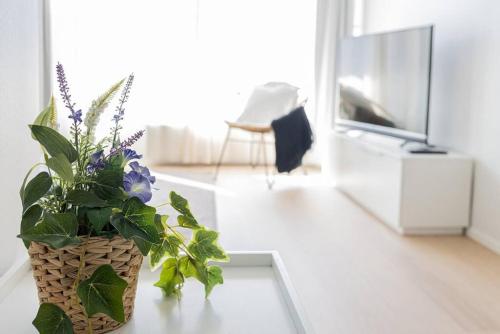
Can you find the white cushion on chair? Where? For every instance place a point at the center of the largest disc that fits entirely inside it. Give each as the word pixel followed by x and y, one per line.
pixel 269 102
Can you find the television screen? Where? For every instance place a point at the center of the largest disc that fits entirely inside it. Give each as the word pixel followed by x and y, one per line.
pixel 384 81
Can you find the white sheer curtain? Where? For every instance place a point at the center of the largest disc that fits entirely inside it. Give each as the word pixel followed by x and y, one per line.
pixel 195 62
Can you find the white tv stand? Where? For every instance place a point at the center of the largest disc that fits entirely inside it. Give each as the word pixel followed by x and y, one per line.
pixel 412 193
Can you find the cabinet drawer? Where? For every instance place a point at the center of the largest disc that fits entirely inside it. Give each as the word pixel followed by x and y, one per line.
pixel 371 178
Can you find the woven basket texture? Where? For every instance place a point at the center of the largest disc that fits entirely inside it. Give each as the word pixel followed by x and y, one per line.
pixel 55 270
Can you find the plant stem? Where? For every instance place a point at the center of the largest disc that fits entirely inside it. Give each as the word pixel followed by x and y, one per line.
pixel 89 324
pixel 80 267
pixel 184 247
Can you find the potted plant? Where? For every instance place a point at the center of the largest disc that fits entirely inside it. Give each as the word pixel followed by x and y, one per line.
pixel 87 226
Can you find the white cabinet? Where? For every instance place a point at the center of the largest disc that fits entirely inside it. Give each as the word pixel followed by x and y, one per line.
pixel 413 193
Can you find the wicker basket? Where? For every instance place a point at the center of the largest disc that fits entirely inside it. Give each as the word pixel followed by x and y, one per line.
pixel 55 272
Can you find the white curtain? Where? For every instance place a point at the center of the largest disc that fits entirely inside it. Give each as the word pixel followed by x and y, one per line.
pixel 195 63
pixel 332 18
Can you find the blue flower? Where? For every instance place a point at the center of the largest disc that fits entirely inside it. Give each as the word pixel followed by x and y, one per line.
pixel 144 171
pixel 76 116
pixel 137 185
pixel 96 161
pixel 130 154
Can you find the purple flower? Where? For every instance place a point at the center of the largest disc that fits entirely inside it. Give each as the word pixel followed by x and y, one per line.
pixel 130 154
pixel 96 161
pixel 120 110
pixel 136 185
pixel 76 116
pixel 144 171
pixel 126 143
pixel 118 117
pixel 132 139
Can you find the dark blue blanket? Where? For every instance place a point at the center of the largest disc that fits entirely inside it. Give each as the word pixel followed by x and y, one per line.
pixel 293 137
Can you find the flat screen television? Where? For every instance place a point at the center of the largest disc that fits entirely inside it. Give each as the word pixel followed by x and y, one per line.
pixel 384 83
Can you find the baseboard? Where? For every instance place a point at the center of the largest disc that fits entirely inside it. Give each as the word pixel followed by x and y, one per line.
pixel 484 239
pixel 431 230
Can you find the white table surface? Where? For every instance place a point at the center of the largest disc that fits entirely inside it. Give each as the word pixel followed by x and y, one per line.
pixel 251 300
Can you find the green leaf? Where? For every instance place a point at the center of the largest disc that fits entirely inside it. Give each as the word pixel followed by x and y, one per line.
pixel 138 212
pixel 209 276
pixel 168 247
pixel 109 184
pixel 54 142
pixel 61 165
pixel 98 218
pixel 143 244
pixel 130 230
pixel 170 277
pixel 136 222
pixel 56 230
pixel 180 204
pixel 85 198
pixel 103 293
pixel 30 218
pixel 51 319
pixel 161 223
pixel 204 246
pixel 188 222
pixel 35 189
pixel 21 190
pixel 190 268
pixel 214 277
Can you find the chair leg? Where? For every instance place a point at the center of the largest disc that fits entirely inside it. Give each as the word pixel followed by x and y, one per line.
pixel 221 156
pixel 252 162
pixel 259 151
pixel 269 180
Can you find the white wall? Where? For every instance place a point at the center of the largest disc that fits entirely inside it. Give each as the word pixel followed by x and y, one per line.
pixel 20 54
pixel 465 95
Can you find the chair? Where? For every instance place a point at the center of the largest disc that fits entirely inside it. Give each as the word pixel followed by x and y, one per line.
pixel 266 103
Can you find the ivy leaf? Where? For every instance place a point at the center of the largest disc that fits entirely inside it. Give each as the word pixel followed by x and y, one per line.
pixel 209 276
pixel 103 293
pixel 181 205
pixel 188 222
pixel 56 230
pixel 168 247
pixel 35 189
pixel 51 319
pixel 161 223
pixel 190 268
pixel 171 244
pixel 204 246
pixel 61 165
pixel 214 277
pixel 85 198
pixel 170 277
pixel 54 142
pixel 109 184
pixel 138 212
pixel 129 230
pixel 30 218
pixel 136 222
pixel 99 217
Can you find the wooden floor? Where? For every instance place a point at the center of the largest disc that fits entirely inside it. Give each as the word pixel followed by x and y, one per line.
pixel 353 274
